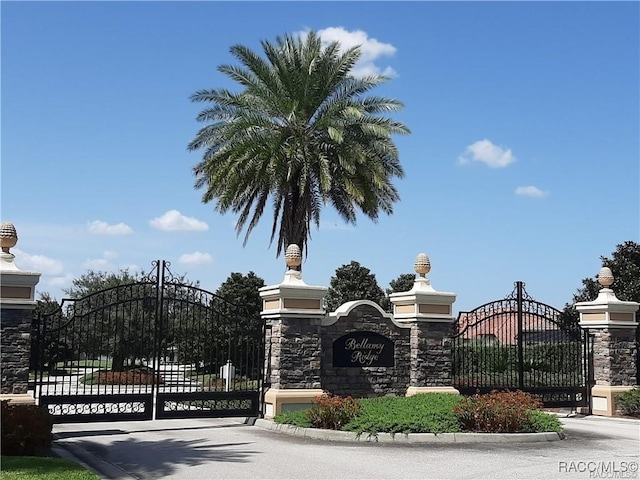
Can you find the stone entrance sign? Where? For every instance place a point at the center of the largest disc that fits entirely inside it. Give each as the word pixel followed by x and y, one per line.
pixel 363 349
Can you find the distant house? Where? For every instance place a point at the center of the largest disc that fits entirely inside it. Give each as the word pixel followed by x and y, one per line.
pixel 500 326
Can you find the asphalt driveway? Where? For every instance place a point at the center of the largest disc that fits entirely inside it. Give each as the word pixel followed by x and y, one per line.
pixel 232 449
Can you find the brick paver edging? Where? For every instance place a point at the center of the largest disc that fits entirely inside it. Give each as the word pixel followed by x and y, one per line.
pixel 336 436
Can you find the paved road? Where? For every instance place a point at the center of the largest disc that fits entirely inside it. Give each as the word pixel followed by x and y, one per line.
pixel 229 449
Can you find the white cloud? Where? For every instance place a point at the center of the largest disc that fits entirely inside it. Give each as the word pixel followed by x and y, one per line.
pixel 195 259
pixel 61 282
pixel 484 151
pixel 97 264
pixel 103 228
pixel 173 221
pixel 370 50
pixel 37 263
pixel 102 264
pixel 531 191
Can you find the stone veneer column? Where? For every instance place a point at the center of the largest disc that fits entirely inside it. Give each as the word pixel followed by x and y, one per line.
pixel 613 326
pixel 293 312
pixel 16 311
pixel 429 313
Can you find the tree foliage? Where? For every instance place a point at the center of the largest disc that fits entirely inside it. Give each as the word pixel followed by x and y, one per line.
pixel 239 329
pixel 45 353
pixel 353 282
pixel 95 281
pixel 300 134
pixel 625 266
pixel 242 290
pixel 113 317
pixel 403 283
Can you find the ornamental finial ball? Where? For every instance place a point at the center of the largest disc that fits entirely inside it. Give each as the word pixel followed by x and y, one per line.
pixel 8 236
pixel 605 277
pixel 422 265
pixel 293 256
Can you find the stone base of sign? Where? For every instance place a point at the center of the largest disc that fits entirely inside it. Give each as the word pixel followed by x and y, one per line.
pixel 411 391
pixel 22 399
pixel 603 401
pixel 287 400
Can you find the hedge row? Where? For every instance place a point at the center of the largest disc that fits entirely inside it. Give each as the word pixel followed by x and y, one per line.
pixel 557 358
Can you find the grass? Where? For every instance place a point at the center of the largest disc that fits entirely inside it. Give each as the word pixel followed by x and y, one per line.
pixel 426 413
pixel 213 383
pixel 43 468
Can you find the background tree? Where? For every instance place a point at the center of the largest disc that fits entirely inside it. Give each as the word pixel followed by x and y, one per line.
pixel 625 266
pixel 48 350
pixel 114 316
pixel 403 283
pixel 299 135
pixel 353 282
pixel 243 323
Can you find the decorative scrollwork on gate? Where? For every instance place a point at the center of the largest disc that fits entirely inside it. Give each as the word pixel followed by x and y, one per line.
pixel 157 334
pixel 520 343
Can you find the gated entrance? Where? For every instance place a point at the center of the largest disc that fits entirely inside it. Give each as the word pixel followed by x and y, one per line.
pixel 156 348
pixel 519 343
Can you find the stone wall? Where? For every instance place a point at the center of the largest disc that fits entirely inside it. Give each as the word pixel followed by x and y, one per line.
pixel 366 381
pixel 431 361
pixel 295 352
pixel 16 349
pixel 614 356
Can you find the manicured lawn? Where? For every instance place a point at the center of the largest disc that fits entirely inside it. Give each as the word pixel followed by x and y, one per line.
pixel 42 468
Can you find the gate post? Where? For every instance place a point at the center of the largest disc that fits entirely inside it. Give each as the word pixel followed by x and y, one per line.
pixel 613 326
pixel 293 312
pixel 16 318
pixel 429 313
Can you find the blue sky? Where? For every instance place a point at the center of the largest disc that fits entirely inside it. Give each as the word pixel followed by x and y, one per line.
pixel 522 163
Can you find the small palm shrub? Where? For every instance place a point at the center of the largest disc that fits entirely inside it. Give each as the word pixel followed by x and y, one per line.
pixel 332 411
pixel 26 429
pixel 629 402
pixel 496 412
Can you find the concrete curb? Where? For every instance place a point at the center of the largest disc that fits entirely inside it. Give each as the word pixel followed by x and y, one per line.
pixel 96 465
pixel 401 438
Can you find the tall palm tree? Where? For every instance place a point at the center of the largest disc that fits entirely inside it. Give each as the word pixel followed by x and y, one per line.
pixel 300 134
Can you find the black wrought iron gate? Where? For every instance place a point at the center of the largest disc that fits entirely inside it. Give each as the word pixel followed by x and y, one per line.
pixel 156 348
pixel 519 343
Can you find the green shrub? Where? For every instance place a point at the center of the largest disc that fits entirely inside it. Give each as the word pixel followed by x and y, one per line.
pixel 496 412
pixel 558 359
pixel 629 402
pixel 298 418
pixel 541 422
pixel 425 413
pixel 26 429
pixel 441 413
pixel 332 411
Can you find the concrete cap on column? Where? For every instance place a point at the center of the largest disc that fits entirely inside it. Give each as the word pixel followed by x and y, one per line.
pixel 17 287
pixel 606 311
pixel 292 297
pixel 422 302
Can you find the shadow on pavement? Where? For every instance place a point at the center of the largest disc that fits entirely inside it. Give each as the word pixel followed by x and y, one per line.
pixel 117 431
pixel 157 458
